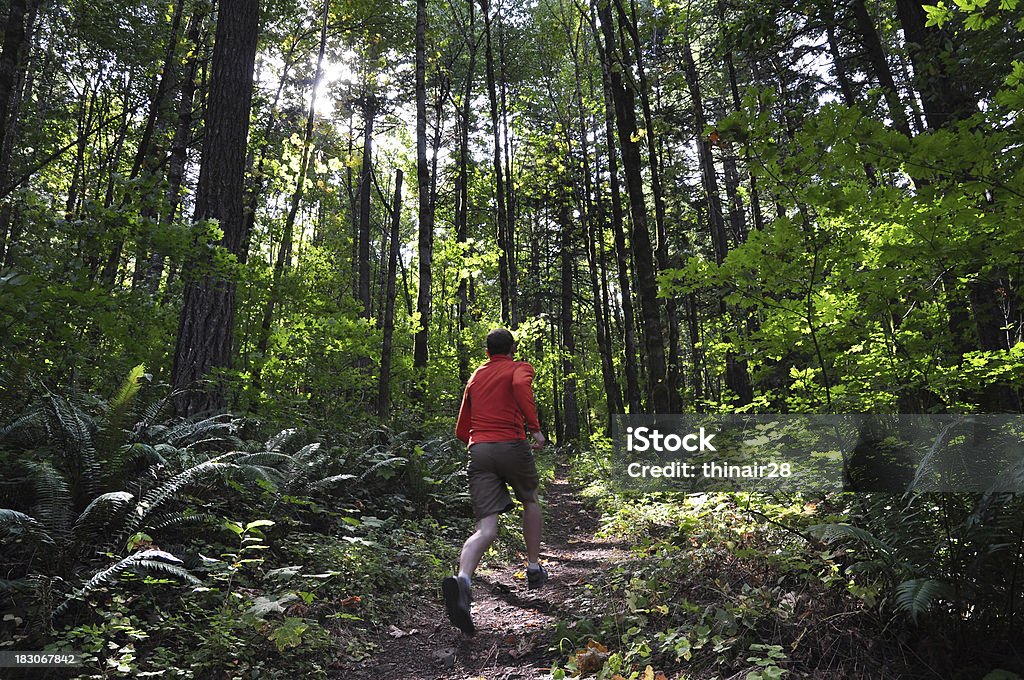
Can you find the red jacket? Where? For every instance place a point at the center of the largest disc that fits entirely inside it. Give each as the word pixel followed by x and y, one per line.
pixel 498 397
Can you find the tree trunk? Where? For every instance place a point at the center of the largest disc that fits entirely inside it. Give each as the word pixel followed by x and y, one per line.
pixel 568 348
pixel 499 177
pixel 737 378
pixel 369 104
pixel 207 317
pixel 462 194
pixel 284 252
pixel 945 96
pixel 14 53
pixel 421 352
pixel 384 385
pixel 647 284
pixel 876 57
pixel 632 395
pixel 178 156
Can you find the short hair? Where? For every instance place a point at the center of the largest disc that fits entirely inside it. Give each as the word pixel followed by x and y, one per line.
pixel 500 341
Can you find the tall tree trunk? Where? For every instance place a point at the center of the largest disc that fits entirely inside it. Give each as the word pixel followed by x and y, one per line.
pixel 178 157
pixel 591 219
pixel 876 57
pixel 944 95
pixel 647 284
pixel 737 378
pixel 284 252
pixel 426 204
pixel 504 281
pixel 632 396
pixel 462 193
pixel 628 24
pixel 384 385
pixel 12 56
pixel 208 315
pixel 568 348
pixel 369 105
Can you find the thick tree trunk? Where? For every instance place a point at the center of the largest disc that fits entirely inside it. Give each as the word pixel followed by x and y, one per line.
pixel 944 95
pixel 421 352
pixel 504 281
pixel 387 351
pixel 208 315
pixel 632 397
pixel 876 58
pixel 647 284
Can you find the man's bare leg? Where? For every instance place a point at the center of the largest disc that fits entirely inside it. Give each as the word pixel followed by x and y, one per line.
pixel 532 521
pixel 476 545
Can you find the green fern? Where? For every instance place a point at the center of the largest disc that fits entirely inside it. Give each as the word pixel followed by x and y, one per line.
pixel 52 501
pixel 147 560
pixel 916 596
pixel 155 498
pixel 12 520
pixel 101 512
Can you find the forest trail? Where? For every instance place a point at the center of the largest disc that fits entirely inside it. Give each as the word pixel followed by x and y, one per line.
pixel 515 626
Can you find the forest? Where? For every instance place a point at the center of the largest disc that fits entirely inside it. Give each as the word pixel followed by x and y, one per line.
pixel 250 249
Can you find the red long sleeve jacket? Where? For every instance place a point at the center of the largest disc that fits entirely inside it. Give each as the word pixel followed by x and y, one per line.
pixel 497 401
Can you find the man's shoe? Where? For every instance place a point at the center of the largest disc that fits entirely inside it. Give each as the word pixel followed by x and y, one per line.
pixel 456 601
pixel 535 578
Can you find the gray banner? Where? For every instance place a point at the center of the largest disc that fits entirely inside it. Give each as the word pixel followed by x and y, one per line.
pixel 799 453
pixel 15 659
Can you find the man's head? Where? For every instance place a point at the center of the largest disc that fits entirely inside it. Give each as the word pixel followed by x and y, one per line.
pixel 500 341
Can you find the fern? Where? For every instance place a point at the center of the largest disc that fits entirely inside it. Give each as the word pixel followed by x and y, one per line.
pixel 72 430
pixel 52 498
pixel 150 560
pixel 173 486
pixel 101 511
pixel 387 462
pixel 916 596
pixel 29 526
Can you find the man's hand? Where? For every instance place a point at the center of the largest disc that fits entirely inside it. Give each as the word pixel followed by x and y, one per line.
pixel 538 440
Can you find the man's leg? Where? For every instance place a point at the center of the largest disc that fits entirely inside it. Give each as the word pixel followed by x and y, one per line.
pixel 532 520
pixel 477 544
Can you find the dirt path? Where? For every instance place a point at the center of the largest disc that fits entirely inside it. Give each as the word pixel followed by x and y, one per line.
pixel 514 625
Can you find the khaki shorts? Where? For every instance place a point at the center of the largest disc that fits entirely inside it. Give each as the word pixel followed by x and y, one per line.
pixel 492 466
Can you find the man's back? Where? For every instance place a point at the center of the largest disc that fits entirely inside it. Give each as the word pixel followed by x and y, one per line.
pixel 498 397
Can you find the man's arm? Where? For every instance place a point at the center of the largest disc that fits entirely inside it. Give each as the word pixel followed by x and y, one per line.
pixel 522 391
pixel 465 421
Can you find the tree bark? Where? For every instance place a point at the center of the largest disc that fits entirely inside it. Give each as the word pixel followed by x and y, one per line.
pixel 207 317
pixel 625 116
pixel 384 385
pixel 284 252
pixel 632 397
pixel 504 282
pixel 462 194
pixel 369 104
pixel 876 57
pixel 737 378
pixel 571 417
pixel 421 353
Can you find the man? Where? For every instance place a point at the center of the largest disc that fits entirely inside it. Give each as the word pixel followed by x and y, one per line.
pixel 497 401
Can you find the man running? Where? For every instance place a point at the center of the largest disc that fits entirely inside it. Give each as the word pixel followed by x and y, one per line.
pixel 497 401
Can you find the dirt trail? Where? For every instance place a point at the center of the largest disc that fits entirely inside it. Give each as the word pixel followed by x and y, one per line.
pixel 514 625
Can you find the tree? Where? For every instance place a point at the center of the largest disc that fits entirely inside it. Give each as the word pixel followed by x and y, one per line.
pixel 207 318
